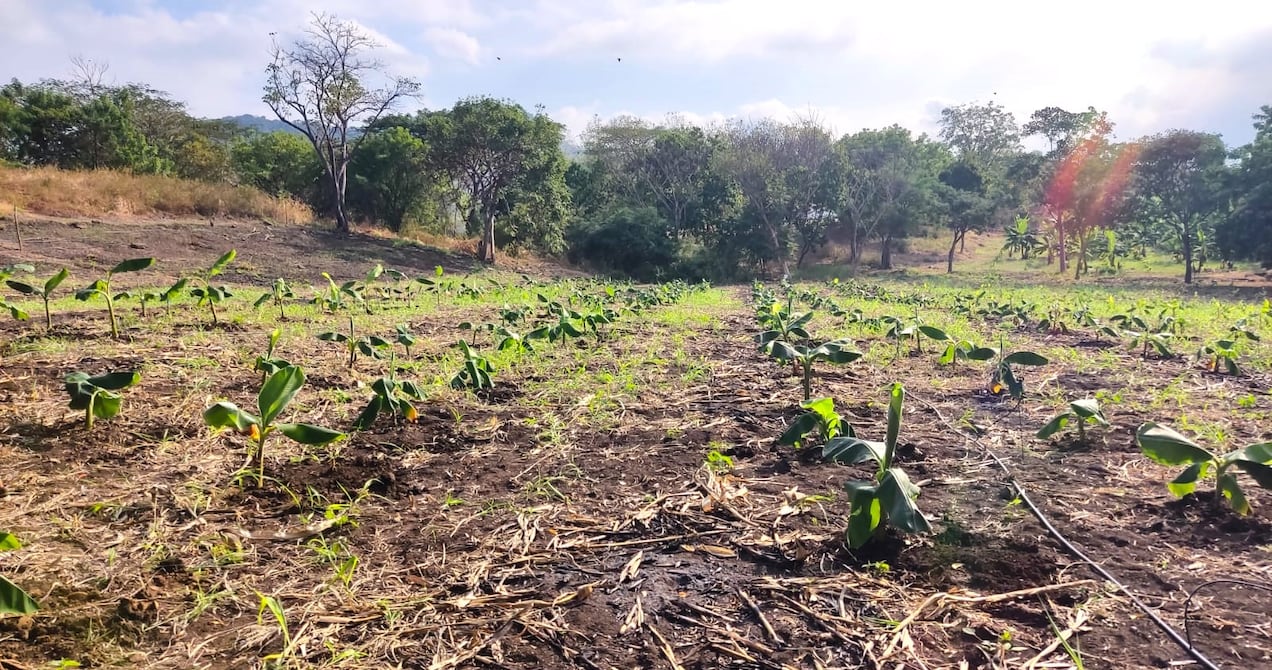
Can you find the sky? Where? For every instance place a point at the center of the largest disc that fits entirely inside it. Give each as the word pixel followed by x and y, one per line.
pixel 1152 66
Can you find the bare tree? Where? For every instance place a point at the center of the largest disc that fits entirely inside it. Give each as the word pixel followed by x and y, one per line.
pixel 321 87
pixel 88 76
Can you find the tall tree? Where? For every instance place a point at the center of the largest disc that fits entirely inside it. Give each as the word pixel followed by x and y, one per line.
pixel 1080 146
pixel 1064 129
pixel 391 179
pixel 983 136
pixel 884 185
pixel 1246 233
pixel 1178 180
pixel 779 171
pixel 968 207
pixel 279 163
pixel 491 148
pixel 322 86
pixel 662 165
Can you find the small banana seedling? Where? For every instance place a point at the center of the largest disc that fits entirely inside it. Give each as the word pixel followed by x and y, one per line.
pixel 511 340
pixel 163 297
pixel 405 338
pixel 513 316
pixel 1080 413
pixel 101 288
pixel 820 418
pixel 96 396
pixel 45 292
pixel 1143 339
pixel 206 292
pixel 267 364
pixel 392 397
pixel 1167 447
pixel 1220 350
pixel 834 351
pixel 594 321
pixel 780 324
pixel 13 599
pixel 336 298
pixel 965 350
pixel 436 284
pixel 279 292
pixel 560 331
pixel 371 345
pixel 1053 322
pixel 1005 379
pixel 7 271
pixel 474 374
pixel 475 328
pixel 888 498
pixel 898 330
pixel 1242 329
pixel 275 395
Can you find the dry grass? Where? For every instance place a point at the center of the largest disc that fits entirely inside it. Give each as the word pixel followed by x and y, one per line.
pixel 54 192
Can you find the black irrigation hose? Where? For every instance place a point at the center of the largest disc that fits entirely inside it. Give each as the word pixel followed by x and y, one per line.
pixel 1173 634
pixel 1188 602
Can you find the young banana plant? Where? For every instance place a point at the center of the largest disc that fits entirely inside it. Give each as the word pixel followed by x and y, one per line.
pixel 1220 350
pixel 820 417
pixel 1167 447
pixel 101 287
pixel 965 350
pixel 97 396
pixel 391 397
pixel 834 351
pixel 405 338
pixel 1005 378
pixel 511 340
pixel 278 293
pixel 1080 412
pixel 370 346
pixel 888 498
pixel 436 285
pixel 475 371
pixel 165 296
pixel 275 395
pixel 7 271
pixel 45 292
pixel 780 324
pixel 206 292
pixel 13 599
pixel 267 364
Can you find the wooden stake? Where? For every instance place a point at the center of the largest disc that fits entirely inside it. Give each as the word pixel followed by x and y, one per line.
pixel 17 231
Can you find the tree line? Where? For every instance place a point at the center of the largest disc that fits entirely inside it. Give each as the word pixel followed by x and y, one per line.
pixel 661 200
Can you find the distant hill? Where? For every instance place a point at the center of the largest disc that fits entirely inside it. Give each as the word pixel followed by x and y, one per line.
pixel 260 123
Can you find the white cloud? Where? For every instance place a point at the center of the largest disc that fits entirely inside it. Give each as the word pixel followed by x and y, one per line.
pixel 1025 56
pixel 853 64
pixel 454 44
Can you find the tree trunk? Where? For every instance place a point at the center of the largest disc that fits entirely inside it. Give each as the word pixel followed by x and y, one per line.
pixel 885 254
pixel 959 236
pixel 1080 264
pixel 486 249
pixel 777 249
pixel 1188 257
pixel 1061 250
pixel 338 192
pixel 962 242
pixel 804 249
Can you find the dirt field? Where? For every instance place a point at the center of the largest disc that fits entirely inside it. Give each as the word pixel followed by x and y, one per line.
pixel 574 516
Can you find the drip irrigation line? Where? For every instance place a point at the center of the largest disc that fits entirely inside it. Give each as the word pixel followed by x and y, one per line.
pixel 1173 634
pixel 1188 601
